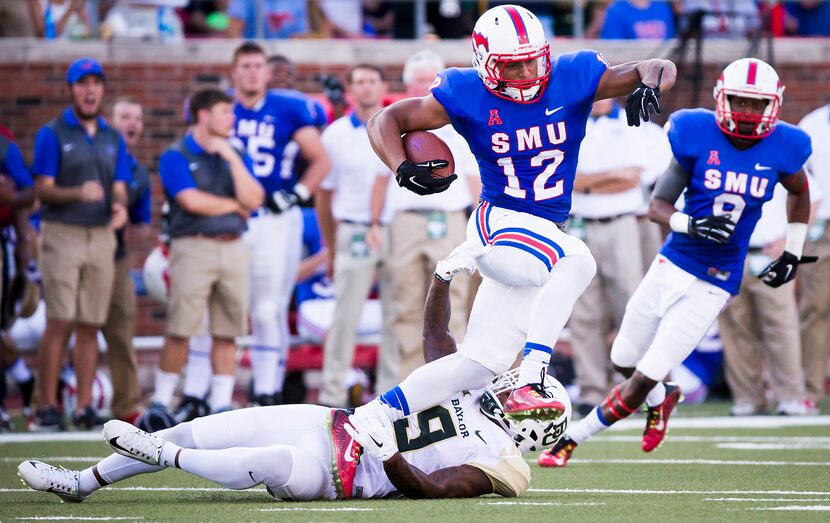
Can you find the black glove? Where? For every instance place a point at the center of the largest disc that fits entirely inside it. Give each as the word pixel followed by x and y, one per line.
pixel 637 104
pixel 714 228
pixel 417 177
pixel 280 201
pixel 783 269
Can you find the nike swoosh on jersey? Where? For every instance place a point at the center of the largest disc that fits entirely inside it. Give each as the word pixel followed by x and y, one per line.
pixel 348 454
pixel 759 167
pixel 549 112
pixel 479 436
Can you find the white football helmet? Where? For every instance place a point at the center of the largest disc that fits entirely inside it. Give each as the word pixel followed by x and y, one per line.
pixel 529 434
pixel 101 392
pixel 748 78
pixel 156 274
pixel 506 34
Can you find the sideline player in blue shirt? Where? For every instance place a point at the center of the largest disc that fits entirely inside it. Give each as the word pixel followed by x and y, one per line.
pixel 271 126
pixel 728 162
pixel 523 115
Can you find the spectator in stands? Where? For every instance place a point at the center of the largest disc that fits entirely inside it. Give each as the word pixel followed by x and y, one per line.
pixel 16 196
pixel 211 192
pixel 205 18
pixel 638 20
pixel 424 229
pixel 155 20
pixel 343 211
pixel 613 160
pixel 59 18
pixel 378 19
pixel 281 19
pixel 16 19
pixel 814 291
pixel 718 19
pixel 809 18
pixel 339 18
pixel 119 329
pixel 81 169
pixel 761 325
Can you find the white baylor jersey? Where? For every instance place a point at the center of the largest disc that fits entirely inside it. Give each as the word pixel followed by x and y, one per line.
pixel 448 435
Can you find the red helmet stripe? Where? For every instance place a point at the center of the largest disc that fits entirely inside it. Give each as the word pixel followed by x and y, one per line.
pixel 521 30
pixel 751 73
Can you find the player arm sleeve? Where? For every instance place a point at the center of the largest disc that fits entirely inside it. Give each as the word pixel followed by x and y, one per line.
pixel 672 183
pixel 510 475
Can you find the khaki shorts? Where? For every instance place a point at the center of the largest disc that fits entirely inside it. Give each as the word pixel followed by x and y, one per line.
pixel 213 274
pixel 77 267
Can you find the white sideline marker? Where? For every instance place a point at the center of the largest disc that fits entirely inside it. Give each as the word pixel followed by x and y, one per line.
pixel 729 462
pixel 680 492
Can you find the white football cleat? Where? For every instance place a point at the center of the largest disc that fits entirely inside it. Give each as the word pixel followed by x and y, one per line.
pixel 130 441
pixel 41 476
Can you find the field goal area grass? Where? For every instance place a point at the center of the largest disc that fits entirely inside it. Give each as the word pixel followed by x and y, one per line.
pixel 710 468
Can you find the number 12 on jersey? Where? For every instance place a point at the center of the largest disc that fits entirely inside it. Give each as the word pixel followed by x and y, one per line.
pixel 553 158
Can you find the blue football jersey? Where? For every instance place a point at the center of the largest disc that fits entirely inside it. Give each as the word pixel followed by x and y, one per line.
pixel 527 153
pixel 724 180
pixel 264 132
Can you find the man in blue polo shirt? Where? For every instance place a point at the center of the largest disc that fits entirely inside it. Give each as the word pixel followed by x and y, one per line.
pixel 211 193
pixel 80 168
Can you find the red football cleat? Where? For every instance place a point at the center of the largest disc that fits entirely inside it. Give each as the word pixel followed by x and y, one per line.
pixel 559 455
pixel 347 453
pixel 657 418
pixel 531 401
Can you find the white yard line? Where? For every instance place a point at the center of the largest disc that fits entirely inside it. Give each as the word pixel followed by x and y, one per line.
pixel 51 459
pixel 730 462
pixel 307 509
pixel 648 492
pixel 774 500
pixel 539 503
pixel 790 440
pixel 79 518
pixel 800 508
pixel 715 422
pixel 775 446
pixel 154 489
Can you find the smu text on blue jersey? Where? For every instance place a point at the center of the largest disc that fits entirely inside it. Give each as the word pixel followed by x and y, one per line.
pixel 265 132
pixel 527 153
pixel 726 180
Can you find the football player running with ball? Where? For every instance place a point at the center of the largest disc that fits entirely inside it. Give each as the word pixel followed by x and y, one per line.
pixel 461 447
pixel 728 162
pixel 523 115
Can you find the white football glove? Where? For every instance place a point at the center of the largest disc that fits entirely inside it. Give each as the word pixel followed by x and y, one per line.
pixel 462 258
pixel 375 434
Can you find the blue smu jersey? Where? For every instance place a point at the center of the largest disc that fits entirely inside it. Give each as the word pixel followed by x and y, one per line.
pixel 264 132
pixel 527 153
pixel 723 180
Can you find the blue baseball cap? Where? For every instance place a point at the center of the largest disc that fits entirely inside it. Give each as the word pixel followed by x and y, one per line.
pixel 83 67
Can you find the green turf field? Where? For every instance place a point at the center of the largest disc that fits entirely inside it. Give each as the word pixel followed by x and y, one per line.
pixel 727 473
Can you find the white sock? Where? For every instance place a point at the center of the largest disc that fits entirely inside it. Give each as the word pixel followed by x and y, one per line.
pixel 198 371
pixel 587 427
pixel 534 366
pixel 551 309
pixel 221 391
pixel 113 468
pixel 264 364
pixel 657 395
pixel 429 385
pixel 19 371
pixel 165 387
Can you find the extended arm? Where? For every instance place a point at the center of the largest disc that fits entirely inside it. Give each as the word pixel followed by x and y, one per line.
pixel 464 481
pixel 308 139
pixel 438 341
pixel 620 80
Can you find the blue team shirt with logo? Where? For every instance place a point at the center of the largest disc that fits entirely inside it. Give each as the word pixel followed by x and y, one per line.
pixel 723 180
pixel 527 153
pixel 264 132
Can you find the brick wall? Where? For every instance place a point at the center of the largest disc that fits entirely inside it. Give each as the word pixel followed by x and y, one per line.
pixel 33 93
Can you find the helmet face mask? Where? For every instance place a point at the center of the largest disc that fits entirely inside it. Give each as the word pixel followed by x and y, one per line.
pixel 748 78
pixel 528 434
pixel 506 35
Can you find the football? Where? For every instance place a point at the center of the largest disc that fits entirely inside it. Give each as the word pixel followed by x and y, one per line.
pixel 422 146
